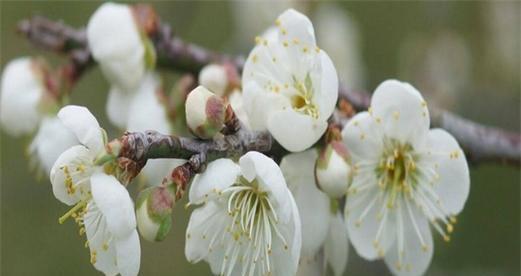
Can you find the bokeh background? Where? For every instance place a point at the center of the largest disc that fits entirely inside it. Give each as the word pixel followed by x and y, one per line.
pixel 464 56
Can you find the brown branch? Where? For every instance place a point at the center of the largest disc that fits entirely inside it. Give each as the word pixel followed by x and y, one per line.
pixel 481 143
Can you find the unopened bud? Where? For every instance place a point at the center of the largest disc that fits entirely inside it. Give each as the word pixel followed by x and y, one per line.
pixel 213 77
pixel 153 213
pixel 204 113
pixel 332 170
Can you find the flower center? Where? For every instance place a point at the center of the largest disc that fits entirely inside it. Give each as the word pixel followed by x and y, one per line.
pixel 253 227
pixel 302 100
pixel 396 172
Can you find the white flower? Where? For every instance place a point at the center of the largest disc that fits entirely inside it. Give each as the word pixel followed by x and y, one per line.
pixel 405 176
pixel 70 174
pixel 51 140
pixel 215 78
pixel 290 86
pixel 146 111
pixel 319 225
pixel 204 113
pixel 248 223
pixel 22 91
pixel 117 106
pixel 117 44
pixel 107 217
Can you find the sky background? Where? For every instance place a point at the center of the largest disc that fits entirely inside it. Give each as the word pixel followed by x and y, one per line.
pixel 464 56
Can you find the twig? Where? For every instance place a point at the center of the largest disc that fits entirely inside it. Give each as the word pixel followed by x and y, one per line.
pixel 481 143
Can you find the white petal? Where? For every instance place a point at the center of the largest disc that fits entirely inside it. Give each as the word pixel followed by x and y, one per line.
pixel 402 110
pixel 146 112
pixel 128 254
pixel 115 203
pixel 21 91
pixel 314 217
pixel 117 106
pixel 284 263
pixel 326 89
pixel 255 165
pixel 100 241
pixel 285 126
pixel 52 139
pixel 454 179
pixel 218 175
pixel 157 169
pixel 210 216
pixel 236 102
pixel 298 170
pixel 416 258
pixel 363 230
pixel 84 125
pixel 297 26
pixel 311 266
pixel 336 246
pixel 116 44
pixel 259 105
pixel 70 160
pixel 363 137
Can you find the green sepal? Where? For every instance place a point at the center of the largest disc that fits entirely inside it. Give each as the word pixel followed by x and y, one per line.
pixel 164 228
pixel 150 53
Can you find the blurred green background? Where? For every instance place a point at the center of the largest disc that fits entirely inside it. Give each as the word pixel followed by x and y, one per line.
pixel 466 52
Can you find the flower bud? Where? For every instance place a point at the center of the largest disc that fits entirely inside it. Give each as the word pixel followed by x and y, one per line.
pixel 153 213
pixel 213 77
pixel 117 43
pixel 332 170
pixel 204 113
pixel 23 91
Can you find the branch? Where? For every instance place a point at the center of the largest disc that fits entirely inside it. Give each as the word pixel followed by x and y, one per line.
pixel 481 143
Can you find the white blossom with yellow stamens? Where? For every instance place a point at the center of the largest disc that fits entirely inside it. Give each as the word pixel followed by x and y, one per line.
pixel 290 85
pixel 70 174
pixel 248 223
pixel 405 177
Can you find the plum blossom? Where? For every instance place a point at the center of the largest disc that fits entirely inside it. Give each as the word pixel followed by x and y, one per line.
pixel 70 174
pixel 22 89
pixel 290 85
pixel 118 45
pixel 324 238
pixel 405 178
pixel 248 223
pixel 102 206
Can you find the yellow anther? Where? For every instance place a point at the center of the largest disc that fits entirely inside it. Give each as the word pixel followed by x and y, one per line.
pixel 285 43
pixel 305 49
pixel 277 22
pixel 105 246
pixel 450 228
pixel 446 238
pixel 254 58
pixel 93 257
pixel 425 248
pixel 258 39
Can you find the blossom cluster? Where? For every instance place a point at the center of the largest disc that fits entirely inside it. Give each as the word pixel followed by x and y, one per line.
pixel 381 182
